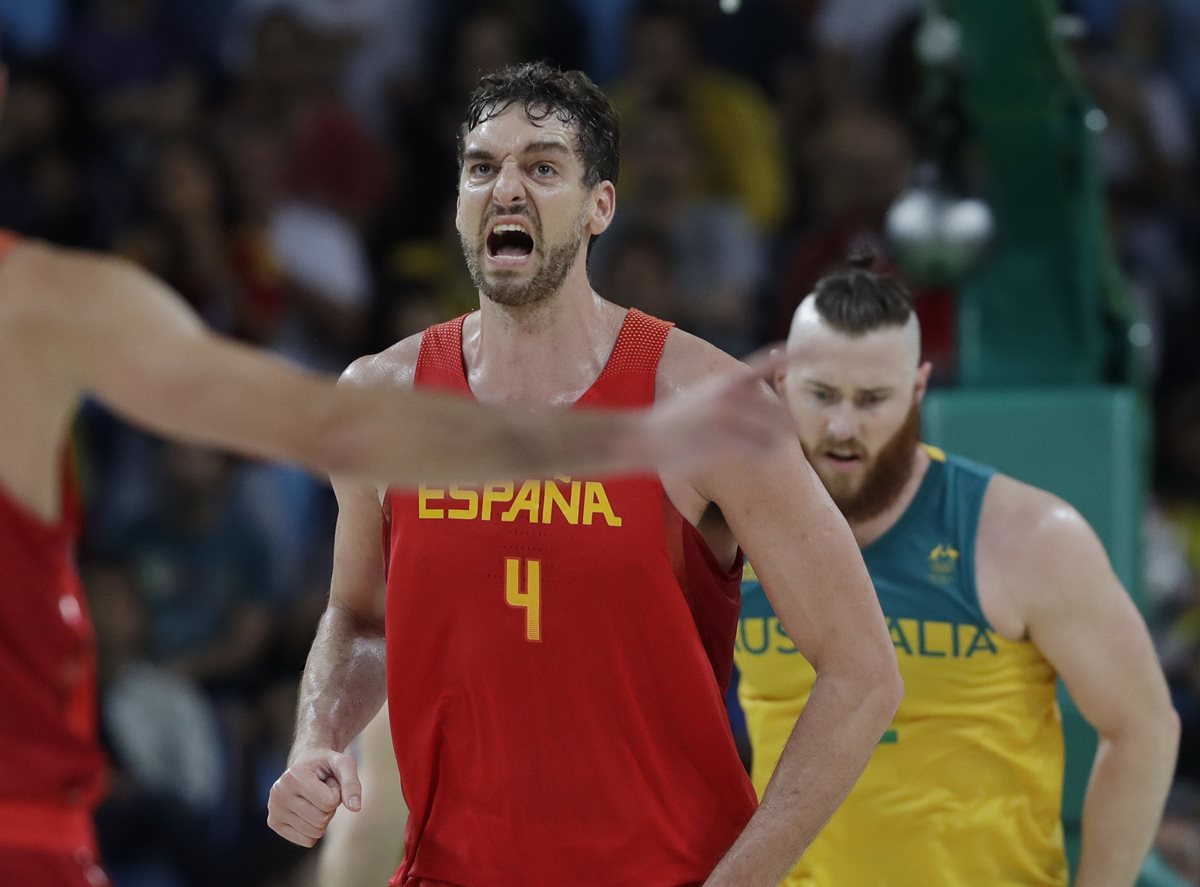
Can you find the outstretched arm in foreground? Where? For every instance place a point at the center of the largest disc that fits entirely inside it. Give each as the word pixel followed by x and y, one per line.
pixel 127 339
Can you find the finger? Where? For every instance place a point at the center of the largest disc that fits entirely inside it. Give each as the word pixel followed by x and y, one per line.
pixel 769 360
pixel 345 768
pixel 321 793
pixel 303 809
pixel 290 829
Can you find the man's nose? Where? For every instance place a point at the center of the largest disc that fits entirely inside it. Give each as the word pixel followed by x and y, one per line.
pixel 843 423
pixel 509 189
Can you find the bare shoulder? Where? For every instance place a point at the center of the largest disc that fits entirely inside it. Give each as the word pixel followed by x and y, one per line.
pixel 1034 554
pixel 395 366
pixel 687 360
pixel 1018 517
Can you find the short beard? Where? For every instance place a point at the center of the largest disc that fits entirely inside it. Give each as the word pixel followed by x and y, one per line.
pixel 885 479
pixel 553 269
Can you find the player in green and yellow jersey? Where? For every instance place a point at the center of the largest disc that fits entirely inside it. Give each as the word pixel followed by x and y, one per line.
pixel 990 588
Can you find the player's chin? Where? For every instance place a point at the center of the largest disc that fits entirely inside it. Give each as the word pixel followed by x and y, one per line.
pixel 840 484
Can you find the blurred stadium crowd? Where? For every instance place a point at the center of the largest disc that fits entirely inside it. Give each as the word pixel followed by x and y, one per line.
pixel 289 167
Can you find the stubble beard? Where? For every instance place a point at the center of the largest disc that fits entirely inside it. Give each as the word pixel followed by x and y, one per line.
pixel 884 479
pixel 553 266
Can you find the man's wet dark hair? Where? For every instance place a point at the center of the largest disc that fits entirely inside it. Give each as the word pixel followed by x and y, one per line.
pixel 856 300
pixel 544 91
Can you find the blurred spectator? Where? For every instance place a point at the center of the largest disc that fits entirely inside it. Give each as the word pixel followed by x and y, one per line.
pixel 857 163
pixel 435 264
pixel 741 155
pixel 338 164
pixel 281 77
pixel 160 727
pixel 254 154
pixel 1174 26
pixel 718 258
pixel 204 570
pixel 134 70
pixel 371 44
pixel 1147 153
pixel 1176 587
pixel 1178 841
pixel 605 23
pixel 31 30
pixel 851 37
pixel 165 744
pixel 550 30
pixel 42 148
pixel 328 285
pixel 185 237
pixel 1147 146
pixel 201 27
pixel 638 269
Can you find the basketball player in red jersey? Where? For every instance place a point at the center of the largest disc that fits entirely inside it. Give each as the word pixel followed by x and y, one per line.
pixel 73 324
pixel 557 652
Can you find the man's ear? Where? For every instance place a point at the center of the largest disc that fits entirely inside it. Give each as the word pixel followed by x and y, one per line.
pixel 604 205
pixel 922 383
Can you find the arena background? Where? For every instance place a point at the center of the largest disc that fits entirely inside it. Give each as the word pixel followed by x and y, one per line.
pixel 288 165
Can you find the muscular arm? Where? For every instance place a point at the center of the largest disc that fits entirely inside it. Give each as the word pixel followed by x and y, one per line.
pixel 814 575
pixel 139 349
pixel 1074 609
pixel 344 681
pixel 121 335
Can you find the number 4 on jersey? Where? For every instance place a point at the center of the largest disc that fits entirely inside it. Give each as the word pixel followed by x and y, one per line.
pixel 528 599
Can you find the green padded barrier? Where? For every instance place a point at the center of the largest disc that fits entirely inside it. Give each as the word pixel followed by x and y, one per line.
pixel 1048 306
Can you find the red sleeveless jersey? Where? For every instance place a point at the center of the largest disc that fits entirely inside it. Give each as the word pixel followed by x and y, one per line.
pixel 557 658
pixel 52 762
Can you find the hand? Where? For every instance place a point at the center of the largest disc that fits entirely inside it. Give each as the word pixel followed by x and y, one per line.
pixel 729 415
pixel 304 798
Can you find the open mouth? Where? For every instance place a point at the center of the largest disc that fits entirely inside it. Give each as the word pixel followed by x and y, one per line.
pixel 509 243
pixel 843 458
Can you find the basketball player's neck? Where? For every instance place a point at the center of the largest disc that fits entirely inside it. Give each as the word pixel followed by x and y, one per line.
pixel 546 353
pixel 867 531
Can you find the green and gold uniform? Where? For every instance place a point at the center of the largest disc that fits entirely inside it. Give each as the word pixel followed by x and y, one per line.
pixel 965 788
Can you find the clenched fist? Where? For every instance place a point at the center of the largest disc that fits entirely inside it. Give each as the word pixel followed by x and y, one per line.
pixel 305 797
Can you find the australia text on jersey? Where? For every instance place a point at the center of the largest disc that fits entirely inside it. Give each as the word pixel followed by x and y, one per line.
pixel 911 637
pixel 535 501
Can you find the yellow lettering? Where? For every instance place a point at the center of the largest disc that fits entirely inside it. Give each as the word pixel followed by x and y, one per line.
pixel 470 508
pixel 595 501
pixel 493 494
pixel 425 495
pixel 528 499
pixel 529 599
pixel 569 509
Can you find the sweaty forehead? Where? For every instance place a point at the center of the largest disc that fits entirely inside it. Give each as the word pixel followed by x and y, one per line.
pixel 883 358
pixel 511 131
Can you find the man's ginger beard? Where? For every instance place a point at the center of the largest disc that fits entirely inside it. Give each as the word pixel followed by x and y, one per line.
pixel 553 268
pixel 885 477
